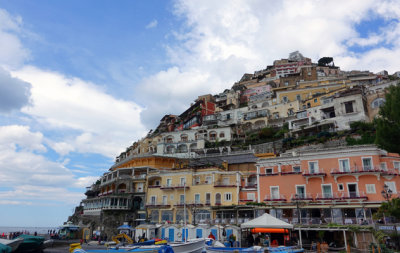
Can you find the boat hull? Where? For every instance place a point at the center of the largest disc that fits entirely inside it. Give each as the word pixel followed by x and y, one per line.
pixel 192 246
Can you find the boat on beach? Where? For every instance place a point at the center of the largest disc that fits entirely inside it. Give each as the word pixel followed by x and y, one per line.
pixel 13 244
pixel 190 246
pixel 30 243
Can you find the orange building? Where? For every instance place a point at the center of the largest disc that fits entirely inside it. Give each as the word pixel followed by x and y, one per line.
pixel 340 185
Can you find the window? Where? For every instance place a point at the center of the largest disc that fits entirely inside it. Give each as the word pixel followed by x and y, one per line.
pixel 276 115
pixel 166 216
pixel 218 198
pixel 197 198
pixel 164 200
pixel 298 97
pixel 208 179
pixel 340 187
pixel 183 181
pixel 153 200
pixel 367 163
pixel 290 112
pixel 157 182
pixel 181 199
pixel 274 192
pixel 251 196
pixel 208 198
pixel 392 186
pixel 327 191
pixel 383 166
pixel 349 107
pixel 377 103
pixel 286 83
pixel 396 165
pixel 315 100
pixel 213 135
pixel 184 137
pixel 285 99
pixel 344 165
pixel 169 181
pixel 269 171
pixel 222 135
pixel 228 196
pixel 225 181
pixel 301 191
pixel 370 188
pixel 313 167
pixel 296 169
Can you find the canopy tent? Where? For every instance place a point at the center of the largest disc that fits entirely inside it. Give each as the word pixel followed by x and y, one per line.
pixel 266 221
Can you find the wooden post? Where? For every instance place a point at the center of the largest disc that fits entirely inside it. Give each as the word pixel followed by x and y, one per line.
pixel 345 239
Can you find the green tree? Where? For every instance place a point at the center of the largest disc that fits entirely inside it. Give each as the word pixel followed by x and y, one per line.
pixel 388 124
pixel 389 209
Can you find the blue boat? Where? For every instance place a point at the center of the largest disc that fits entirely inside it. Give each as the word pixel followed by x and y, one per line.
pixel 160 249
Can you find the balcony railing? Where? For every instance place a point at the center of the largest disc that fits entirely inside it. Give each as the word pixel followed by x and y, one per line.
pixel 354 195
pixel 222 184
pixel 302 197
pixel 167 187
pixel 158 204
pixel 291 173
pixel 139 177
pixel 181 186
pixel 275 197
pixel 319 172
pixel 327 196
pixel 154 186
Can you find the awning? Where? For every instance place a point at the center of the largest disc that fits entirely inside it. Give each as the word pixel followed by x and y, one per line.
pixel 266 221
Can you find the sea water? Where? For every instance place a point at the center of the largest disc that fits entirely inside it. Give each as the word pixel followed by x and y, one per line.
pixel 30 230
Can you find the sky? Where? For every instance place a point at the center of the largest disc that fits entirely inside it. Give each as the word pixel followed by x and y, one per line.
pixel 80 81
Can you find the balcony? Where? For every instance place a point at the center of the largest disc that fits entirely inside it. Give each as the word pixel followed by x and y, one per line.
pixel 354 196
pixel 180 204
pixel 283 173
pixel 301 197
pixel 327 197
pixel 250 187
pixel 158 205
pixel 224 184
pixel 167 187
pixel 269 174
pixel 194 203
pixel 275 198
pixel 154 186
pixel 181 186
pixel 357 171
pixel 314 174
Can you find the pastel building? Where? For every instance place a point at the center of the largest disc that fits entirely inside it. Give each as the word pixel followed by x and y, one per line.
pixel 340 185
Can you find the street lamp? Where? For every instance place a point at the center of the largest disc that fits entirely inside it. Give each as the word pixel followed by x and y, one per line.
pixel 386 193
pixel 298 202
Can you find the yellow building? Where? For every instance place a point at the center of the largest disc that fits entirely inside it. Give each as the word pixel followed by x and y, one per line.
pixel 200 189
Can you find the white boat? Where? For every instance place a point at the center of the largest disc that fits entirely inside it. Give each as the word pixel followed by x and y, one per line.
pixel 191 246
pixel 13 244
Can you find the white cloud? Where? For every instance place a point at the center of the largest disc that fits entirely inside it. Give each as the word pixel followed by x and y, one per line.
pixel 29 175
pixel 101 123
pixel 152 24
pixel 12 52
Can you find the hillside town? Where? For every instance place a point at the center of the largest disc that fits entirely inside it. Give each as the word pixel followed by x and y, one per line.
pixel 291 140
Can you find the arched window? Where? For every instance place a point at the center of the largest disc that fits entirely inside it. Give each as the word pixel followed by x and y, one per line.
pixel 377 103
pixel 184 137
pixel 202 215
pixel 169 139
pixel 213 135
pixel 221 135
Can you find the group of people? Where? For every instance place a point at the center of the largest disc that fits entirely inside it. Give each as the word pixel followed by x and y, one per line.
pixel 13 235
pixel 231 239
